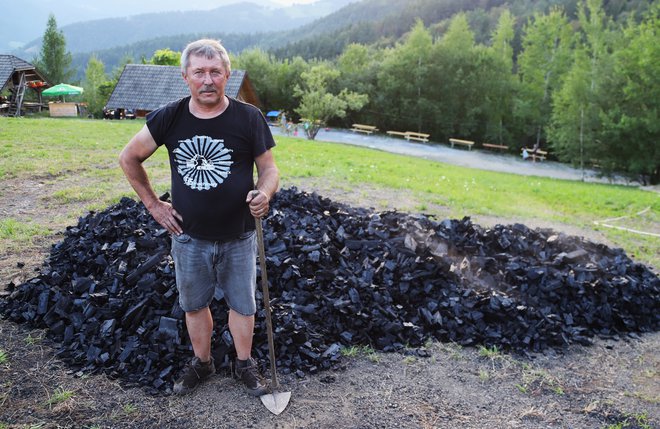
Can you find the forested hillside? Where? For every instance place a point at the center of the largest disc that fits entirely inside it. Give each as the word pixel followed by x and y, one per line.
pixel 383 22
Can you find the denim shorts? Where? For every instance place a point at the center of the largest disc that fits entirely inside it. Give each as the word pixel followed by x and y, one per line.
pixel 205 269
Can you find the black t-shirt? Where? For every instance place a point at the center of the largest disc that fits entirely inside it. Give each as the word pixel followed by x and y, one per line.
pixel 212 163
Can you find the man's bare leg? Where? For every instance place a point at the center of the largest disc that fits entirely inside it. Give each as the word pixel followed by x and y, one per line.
pixel 242 330
pixel 200 329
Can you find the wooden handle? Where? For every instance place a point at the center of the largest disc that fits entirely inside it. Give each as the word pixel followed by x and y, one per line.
pixel 264 285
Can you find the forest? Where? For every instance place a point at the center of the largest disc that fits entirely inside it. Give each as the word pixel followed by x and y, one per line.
pixel 579 79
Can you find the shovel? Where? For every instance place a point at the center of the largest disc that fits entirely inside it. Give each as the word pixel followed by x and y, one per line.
pixel 275 401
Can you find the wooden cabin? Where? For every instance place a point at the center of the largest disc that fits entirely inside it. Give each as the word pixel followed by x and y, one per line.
pixel 16 77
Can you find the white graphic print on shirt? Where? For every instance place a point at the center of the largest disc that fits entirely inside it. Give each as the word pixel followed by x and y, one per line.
pixel 203 162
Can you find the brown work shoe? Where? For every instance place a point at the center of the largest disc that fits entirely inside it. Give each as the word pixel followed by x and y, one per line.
pixel 248 373
pixel 193 375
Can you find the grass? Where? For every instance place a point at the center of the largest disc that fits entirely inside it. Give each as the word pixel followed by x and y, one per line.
pixel 31 341
pixel 409 359
pixel 129 409
pixel 532 379
pixel 80 157
pixel 33 426
pixel 4 358
pixel 651 399
pixel 542 380
pixel 18 231
pixel 60 395
pixel 357 351
pixel 489 352
pixel 640 421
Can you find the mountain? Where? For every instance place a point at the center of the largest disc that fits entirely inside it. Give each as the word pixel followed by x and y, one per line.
pixel 25 20
pixel 239 18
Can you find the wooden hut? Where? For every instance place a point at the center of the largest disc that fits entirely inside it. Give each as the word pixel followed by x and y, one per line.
pixel 17 76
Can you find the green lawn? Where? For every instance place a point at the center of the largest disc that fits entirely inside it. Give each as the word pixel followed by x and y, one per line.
pixel 82 156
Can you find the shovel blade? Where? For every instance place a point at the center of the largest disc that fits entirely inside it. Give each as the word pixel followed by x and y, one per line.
pixel 276 402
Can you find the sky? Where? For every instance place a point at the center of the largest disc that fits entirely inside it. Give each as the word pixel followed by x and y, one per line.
pixel 290 2
pixel 18 26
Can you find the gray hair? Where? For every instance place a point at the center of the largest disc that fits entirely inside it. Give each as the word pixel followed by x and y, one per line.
pixel 208 48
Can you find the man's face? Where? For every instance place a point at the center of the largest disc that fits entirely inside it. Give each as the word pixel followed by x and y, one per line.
pixel 206 79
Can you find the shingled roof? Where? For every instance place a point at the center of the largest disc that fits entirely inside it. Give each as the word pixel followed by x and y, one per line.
pixel 10 64
pixel 147 87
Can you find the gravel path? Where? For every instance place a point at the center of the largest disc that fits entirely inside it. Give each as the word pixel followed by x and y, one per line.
pixel 481 159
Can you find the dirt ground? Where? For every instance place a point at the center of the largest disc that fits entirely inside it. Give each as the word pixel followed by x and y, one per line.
pixel 611 384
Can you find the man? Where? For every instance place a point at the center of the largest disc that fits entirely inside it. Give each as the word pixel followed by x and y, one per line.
pixel 213 143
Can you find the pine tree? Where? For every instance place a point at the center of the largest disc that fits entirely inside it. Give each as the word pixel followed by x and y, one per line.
pixel 54 60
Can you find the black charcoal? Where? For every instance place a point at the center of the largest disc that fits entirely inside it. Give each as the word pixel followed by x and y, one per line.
pixel 339 276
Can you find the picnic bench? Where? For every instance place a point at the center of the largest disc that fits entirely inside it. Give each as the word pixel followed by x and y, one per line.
pixel 467 143
pixel 397 133
pixel 367 129
pixel 495 146
pixel 534 154
pixel 410 135
pixel 421 137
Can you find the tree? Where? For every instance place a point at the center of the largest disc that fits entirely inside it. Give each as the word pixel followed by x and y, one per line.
pixel 317 105
pixel 631 129
pixel 573 116
pixel 166 57
pixel 289 75
pixel 499 85
pixel 542 64
pixel 54 60
pixel 106 88
pixel 457 84
pixel 261 68
pixel 403 82
pixel 95 78
pixel 358 66
pixel 576 132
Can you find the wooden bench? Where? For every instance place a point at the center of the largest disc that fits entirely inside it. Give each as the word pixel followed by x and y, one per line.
pixel 534 155
pixel 396 133
pixel 421 137
pixel 495 146
pixel 367 129
pixel 467 143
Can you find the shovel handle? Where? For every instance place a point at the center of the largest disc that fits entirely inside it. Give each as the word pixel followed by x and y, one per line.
pixel 264 285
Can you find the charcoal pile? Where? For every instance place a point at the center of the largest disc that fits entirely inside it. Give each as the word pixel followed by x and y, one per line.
pixel 339 276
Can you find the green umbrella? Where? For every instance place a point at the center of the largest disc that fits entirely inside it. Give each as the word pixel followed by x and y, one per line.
pixel 62 89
